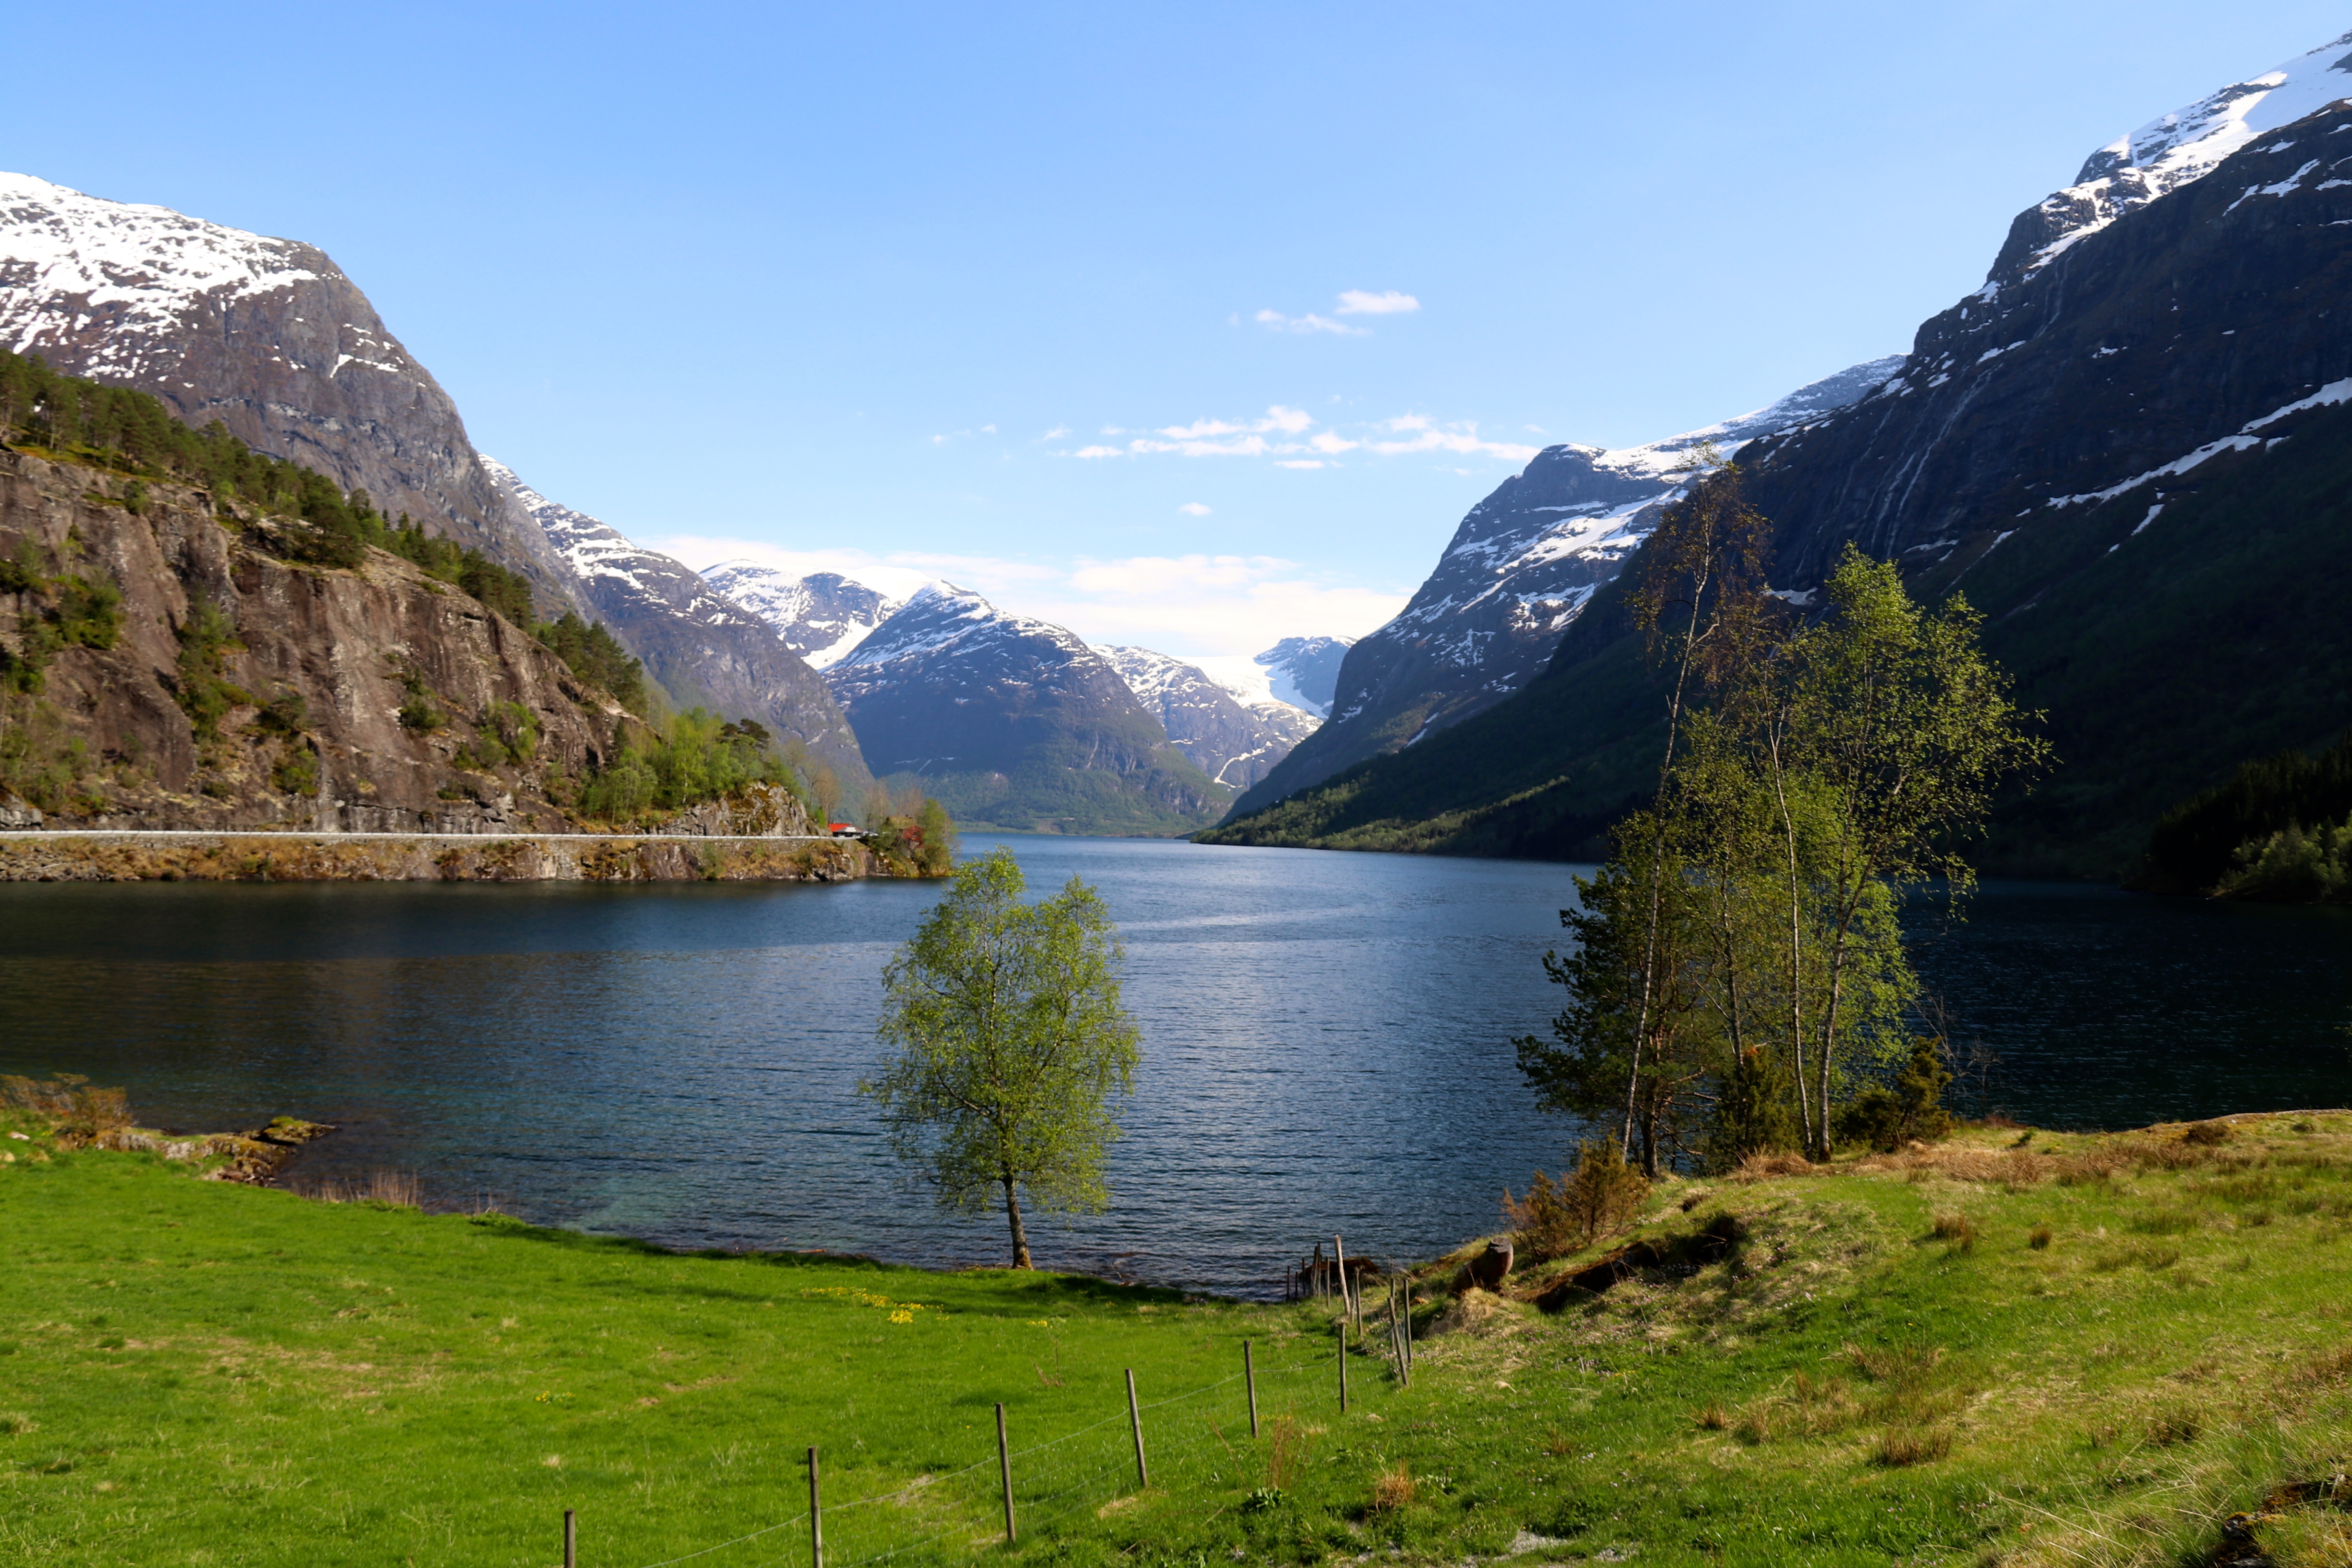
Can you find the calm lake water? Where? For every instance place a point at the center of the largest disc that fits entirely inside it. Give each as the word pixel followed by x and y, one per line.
pixel 1327 1040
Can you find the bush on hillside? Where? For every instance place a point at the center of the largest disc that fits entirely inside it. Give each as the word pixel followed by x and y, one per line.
pixel 1599 1198
pixel 1885 1117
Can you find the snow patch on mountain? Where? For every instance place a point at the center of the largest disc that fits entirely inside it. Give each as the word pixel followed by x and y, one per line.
pixel 1302 672
pixel 156 265
pixel 2172 150
pixel 940 619
pixel 823 617
pixel 1233 736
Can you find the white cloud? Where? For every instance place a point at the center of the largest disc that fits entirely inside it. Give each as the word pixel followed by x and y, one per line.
pixel 1387 302
pixel 1275 320
pixel 1277 435
pixel 1305 463
pixel 1215 437
pixel 1461 438
pixel 1193 607
pixel 1193 508
pixel 1055 434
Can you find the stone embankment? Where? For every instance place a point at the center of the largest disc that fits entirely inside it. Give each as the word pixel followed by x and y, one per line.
pixel 146 856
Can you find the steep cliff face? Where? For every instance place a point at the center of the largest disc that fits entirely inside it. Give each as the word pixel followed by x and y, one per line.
pixel 1014 722
pixel 231 689
pixel 1517 573
pixel 704 650
pixel 1226 735
pixel 265 335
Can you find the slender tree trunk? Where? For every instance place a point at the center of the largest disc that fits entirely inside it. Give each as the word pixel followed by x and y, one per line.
pixel 1658 868
pixel 1796 945
pixel 1829 1024
pixel 1020 1236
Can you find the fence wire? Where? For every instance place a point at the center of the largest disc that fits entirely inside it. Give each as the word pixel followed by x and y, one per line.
pixel 946 1518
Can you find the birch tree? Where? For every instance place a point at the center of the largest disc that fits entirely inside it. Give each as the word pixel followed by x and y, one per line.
pixel 1011 1048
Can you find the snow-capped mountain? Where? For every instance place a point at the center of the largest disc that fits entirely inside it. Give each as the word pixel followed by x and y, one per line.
pixel 1014 722
pixel 266 335
pixel 1518 570
pixel 1303 673
pixel 702 647
pixel 2167 152
pixel 2127 449
pixel 822 616
pixel 1234 736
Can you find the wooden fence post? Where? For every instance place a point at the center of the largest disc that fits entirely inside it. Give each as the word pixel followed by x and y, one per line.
pixel 1249 1377
pixel 1004 1464
pixel 1135 1416
pixel 816 1517
pixel 1343 1327
pixel 571 1540
pixel 1347 1297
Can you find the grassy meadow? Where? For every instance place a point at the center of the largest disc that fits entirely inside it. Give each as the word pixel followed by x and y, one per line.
pixel 2018 1349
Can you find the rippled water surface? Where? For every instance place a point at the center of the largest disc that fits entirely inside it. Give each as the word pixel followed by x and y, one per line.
pixel 1327 1040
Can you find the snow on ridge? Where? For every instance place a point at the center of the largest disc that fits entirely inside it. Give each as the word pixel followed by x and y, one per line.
pixel 2333 392
pixel 796 607
pixel 940 616
pixel 1661 459
pixel 153 262
pixel 2180 148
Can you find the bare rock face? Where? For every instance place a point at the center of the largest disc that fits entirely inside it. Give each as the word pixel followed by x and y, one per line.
pixel 265 335
pixel 244 690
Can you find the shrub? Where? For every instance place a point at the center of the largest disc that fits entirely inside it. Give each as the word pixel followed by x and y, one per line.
pixel 68 1102
pixel 1754 1111
pixel 1958 1229
pixel 2206 1134
pixel 1884 1118
pixel 1393 1489
pixel 1600 1197
pixel 207 638
pixel 2039 1239
pixel 418 712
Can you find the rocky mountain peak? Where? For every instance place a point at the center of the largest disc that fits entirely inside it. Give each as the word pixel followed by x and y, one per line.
pixel 268 336
pixel 2167 152
pixel 822 616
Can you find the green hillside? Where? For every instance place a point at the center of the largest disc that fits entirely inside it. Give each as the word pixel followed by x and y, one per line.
pixel 2015 1348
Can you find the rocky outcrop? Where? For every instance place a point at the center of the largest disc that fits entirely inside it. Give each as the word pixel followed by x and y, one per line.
pixel 240 690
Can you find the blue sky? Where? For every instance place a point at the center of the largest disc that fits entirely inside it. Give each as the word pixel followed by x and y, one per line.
pixel 861 286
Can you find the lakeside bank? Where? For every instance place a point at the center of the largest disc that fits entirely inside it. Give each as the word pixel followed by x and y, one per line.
pixel 143 855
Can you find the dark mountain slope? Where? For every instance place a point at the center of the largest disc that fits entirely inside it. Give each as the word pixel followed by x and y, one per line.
pixel 2128 454
pixel 1014 722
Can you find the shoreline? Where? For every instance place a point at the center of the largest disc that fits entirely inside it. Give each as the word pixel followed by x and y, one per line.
pixel 174 855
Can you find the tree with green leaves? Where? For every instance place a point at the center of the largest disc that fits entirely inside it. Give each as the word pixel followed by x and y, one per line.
pixel 1011 1048
pixel 1904 729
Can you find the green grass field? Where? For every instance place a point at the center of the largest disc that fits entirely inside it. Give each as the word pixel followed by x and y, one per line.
pixel 2075 1351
